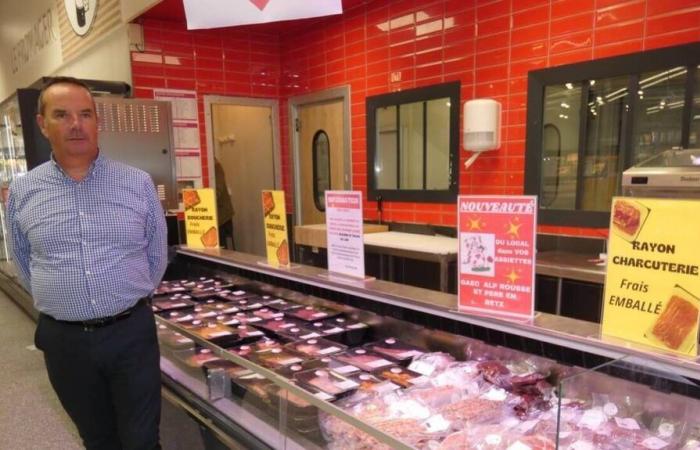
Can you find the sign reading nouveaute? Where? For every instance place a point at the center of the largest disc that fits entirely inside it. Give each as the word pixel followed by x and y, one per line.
pixel 497 254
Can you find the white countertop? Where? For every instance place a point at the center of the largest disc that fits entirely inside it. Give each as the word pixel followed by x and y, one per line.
pixel 438 245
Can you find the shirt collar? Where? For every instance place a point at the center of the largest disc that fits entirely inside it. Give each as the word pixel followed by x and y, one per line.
pixel 96 165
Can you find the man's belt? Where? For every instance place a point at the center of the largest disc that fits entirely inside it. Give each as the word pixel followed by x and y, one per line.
pixel 89 325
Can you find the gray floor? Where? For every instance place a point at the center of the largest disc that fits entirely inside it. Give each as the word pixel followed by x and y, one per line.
pixel 30 415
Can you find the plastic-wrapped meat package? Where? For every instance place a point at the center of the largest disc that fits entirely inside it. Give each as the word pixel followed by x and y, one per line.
pixel 461 374
pixel 533 442
pixel 431 363
pixel 492 437
pixel 436 397
pixel 395 349
pixel 474 410
pixel 495 373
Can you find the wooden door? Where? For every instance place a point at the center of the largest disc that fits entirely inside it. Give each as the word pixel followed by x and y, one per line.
pixel 326 117
pixel 243 143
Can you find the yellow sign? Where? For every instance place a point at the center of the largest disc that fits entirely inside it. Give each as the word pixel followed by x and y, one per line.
pixel 652 287
pixel 275 218
pixel 201 222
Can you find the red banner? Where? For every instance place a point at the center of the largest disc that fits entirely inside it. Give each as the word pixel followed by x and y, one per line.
pixel 496 261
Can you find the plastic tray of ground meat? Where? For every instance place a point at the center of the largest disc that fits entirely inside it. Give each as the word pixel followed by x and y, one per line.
pixel 326 381
pixel 312 313
pixel 395 349
pixel 173 302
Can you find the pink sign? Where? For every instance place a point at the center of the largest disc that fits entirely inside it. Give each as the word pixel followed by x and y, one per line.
pixel 344 233
pixel 497 254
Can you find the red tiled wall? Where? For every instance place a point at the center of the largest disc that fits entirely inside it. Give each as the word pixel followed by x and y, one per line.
pixel 218 62
pixel 488 45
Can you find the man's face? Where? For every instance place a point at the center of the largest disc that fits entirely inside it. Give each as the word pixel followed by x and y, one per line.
pixel 69 121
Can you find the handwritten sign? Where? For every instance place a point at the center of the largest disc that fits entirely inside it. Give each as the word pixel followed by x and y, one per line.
pixel 652 286
pixel 344 233
pixel 497 254
pixel 201 224
pixel 275 221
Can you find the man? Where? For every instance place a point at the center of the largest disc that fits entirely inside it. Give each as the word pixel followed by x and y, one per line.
pixel 88 237
pixel 224 207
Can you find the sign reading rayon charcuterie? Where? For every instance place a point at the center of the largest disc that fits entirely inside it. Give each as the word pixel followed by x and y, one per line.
pixel 497 254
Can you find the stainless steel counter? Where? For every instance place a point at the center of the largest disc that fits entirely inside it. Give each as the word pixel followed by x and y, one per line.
pixel 563 331
pixel 570 265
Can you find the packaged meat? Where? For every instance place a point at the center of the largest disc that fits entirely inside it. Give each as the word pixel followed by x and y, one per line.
pixel 280 324
pixel 197 358
pixel 283 305
pixel 395 349
pixel 401 376
pixel 174 340
pixel 312 313
pixel 532 443
pixel 473 409
pixel 368 382
pixel 316 347
pixel 436 397
pixel 364 359
pixel 468 440
pixel 277 357
pixel 169 287
pixel 247 304
pixel 247 317
pixel 247 350
pixel 221 307
pixel 173 302
pixel 326 381
pixel 205 293
pixel 297 334
pixel 354 331
pixel 431 363
pixel 217 333
pixel 337 366
pixel 252 388
pixel 248 334
pixel 232 369
pixel 267 313
pixel 330 332
pixel 290 370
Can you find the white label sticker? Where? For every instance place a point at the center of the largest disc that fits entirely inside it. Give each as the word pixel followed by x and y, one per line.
pixel 496 395
pixel 288 361
pixel 323 396
pixel 238 293
pixel 627 423
pixel 333 330
pixel 437 423
pixel 409 354
pixel 654 443
pixel 183 341
pixel 220 333
pixel 419 380
pixel 581 445
pixel 610 409
pixel 493 439
pixel 328 350
pixel 310 335
pixel 355 326
pixel 255 333
pixel 592 419
pixel 377 363
pixel 255 305
pixel 347 385
pixel 319 314
pixel 422 368
pixel 666 429
pixel 517 445
pixel 344 370
pixel 253 319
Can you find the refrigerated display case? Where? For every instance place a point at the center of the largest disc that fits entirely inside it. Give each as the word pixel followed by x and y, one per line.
pixel 511 385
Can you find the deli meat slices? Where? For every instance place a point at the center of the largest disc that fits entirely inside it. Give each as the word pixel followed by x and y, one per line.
pixel 626 217
pixel 677 320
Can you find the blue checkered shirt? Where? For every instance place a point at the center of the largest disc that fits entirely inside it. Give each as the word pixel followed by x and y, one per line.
pixel 87 249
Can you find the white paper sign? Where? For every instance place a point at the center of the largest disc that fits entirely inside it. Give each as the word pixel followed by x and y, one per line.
pixel 346 251
pixel 229 13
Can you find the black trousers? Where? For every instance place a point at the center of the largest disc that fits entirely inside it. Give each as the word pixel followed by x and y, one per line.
pixel 107 379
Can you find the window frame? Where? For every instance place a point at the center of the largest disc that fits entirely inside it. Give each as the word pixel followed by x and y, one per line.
pixel 632 66
pixel 449 90
pixel 314 167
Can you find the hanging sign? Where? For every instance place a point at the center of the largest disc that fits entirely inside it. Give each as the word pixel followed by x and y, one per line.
pixel 496 260
pixel 344 233
pixel 652 287
pixel 275 220
pixel 230 13
pixel 201 223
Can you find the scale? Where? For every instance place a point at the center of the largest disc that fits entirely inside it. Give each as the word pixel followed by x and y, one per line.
pixel 670 174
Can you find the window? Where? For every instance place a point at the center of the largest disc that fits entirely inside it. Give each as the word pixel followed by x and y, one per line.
pixel 321 168
pixel 589 122
pixel 412 142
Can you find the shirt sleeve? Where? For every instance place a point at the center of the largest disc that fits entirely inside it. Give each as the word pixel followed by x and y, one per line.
pixel 19 247
pixel 156 235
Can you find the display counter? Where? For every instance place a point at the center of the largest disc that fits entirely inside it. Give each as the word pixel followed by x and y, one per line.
pixel 586 382
pixel 596 387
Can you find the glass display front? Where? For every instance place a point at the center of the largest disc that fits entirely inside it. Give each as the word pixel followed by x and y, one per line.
pixel 12 158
